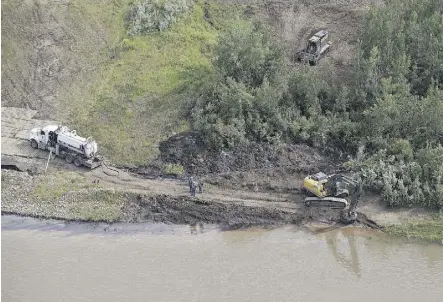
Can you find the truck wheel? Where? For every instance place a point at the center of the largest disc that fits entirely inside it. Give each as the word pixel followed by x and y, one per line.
pixel 77 162
pixel 34 144
pixel 69 158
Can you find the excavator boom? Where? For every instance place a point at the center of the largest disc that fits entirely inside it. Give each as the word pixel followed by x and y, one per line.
pixel 350 215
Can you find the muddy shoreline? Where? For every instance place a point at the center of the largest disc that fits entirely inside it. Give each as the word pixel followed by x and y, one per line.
pixel 12 222
pixel 70 198
pixel 75 197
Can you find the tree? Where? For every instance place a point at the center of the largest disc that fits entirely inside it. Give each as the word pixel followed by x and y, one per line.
pixel 247 54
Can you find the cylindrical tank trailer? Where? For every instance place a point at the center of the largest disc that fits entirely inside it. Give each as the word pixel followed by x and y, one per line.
pixel 72 141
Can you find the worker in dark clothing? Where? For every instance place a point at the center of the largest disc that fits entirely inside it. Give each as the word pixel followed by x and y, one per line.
pixel 200 186
pixel 193 187
pixel 190 180
pixel 193 184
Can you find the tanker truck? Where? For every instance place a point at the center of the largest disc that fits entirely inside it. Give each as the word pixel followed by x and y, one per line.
pixel 66 144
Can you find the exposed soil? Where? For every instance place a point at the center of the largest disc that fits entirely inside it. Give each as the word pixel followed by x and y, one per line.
pixel 46 47
pixel 188 150
pixel 185 210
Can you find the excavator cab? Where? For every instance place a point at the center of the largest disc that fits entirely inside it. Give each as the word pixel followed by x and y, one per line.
pixel 313 185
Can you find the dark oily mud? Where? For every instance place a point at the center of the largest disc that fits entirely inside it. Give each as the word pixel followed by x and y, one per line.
pixel 188 150
pixel 187 210
pixel 253 166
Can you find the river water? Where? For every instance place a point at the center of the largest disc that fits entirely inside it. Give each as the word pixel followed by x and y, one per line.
pixel 54 262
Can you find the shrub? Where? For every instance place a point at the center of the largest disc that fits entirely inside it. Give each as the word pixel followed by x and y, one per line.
pixel 414 183
pixel 173 169
pixel 247 54
pixel 402 149
pixel 155 15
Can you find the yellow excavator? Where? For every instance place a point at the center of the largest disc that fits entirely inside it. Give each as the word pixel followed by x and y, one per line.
pixel 335 191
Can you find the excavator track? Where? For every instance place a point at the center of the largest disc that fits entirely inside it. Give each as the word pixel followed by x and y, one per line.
pixel 326 202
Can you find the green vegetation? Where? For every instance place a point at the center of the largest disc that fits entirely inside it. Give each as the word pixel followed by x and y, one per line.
pixel 234 102
pixel 132 104
pixel 173 169
pixel 399 90
pixel 413 182
pixel 69 195
pixel 53 186
pixel 427 229
pixel 154 15
pixel 388 116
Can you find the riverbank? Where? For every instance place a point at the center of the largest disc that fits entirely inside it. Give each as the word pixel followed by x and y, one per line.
pixel 429 229
pixel 94 196
pixel 71 196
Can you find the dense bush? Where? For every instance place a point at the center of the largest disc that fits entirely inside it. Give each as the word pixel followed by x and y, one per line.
pixel 399 114
pixel 404 41
pixel 155 15
pixel 414 182
pixel 247 54
pixel 237 101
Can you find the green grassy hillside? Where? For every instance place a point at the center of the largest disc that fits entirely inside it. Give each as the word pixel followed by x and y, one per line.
pixel 131 106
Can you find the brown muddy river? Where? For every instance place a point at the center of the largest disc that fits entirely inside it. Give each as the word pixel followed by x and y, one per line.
pixel 53 262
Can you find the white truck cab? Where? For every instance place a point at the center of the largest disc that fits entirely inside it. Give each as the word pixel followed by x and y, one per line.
pixel 39 137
